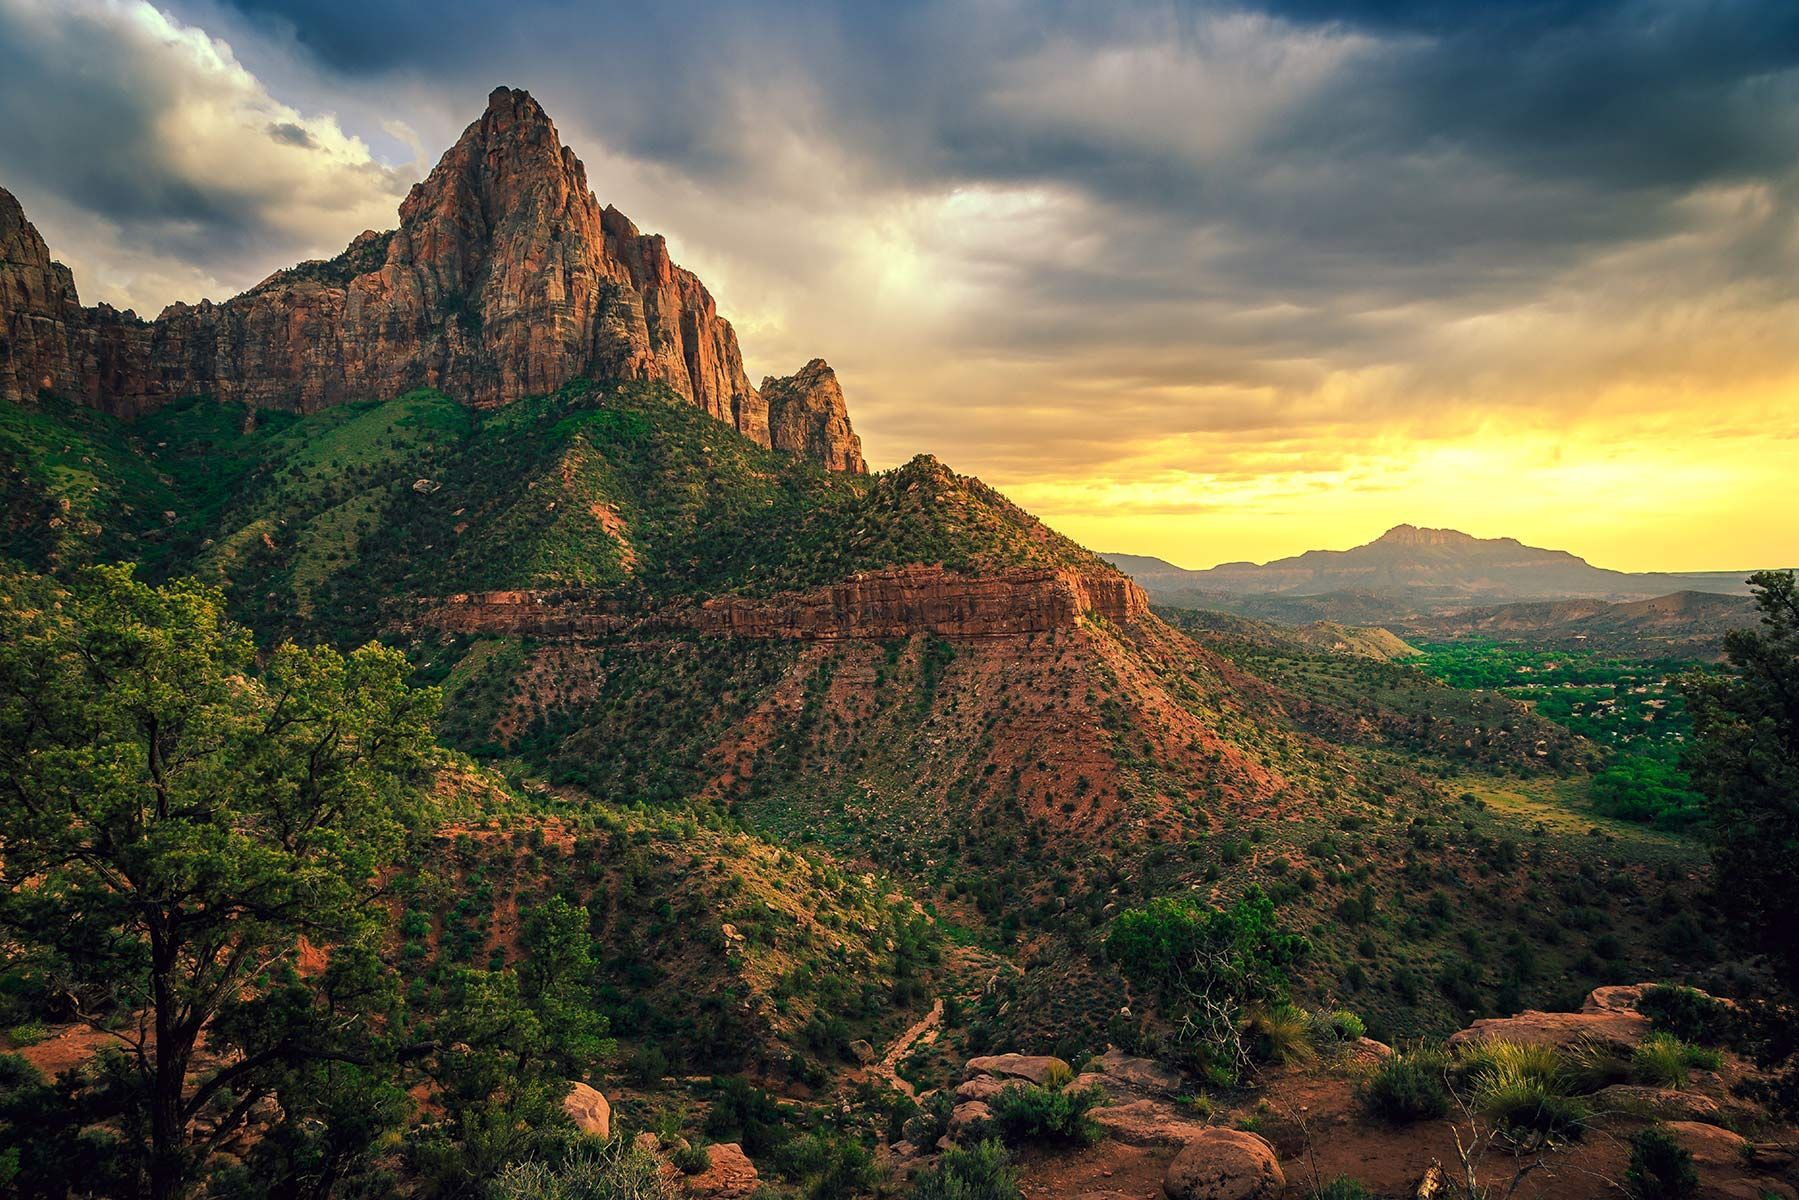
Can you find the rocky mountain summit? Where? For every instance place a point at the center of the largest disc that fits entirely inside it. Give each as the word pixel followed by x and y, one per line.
pixel 505 279
pixel 1413 566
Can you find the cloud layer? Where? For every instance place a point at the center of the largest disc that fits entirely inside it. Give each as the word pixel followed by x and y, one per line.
pixel 1206 280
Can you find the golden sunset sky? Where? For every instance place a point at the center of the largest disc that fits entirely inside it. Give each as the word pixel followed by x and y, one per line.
pixel 1208 281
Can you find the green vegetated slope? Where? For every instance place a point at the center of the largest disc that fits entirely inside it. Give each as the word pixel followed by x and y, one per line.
pixel 719 953
pixel 1024 790
pixel 317 522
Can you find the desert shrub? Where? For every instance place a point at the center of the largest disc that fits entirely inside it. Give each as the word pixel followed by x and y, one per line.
pixel 614 1171
pixel 648 1065
pixel 828 1167
pixel 691 1158
pixel 1591 1064
pixel 1027 1112
pixel 931 1121
pixel 1278 1033
pixel 1688 1014
pixel 982 1173
pixel 1408 1086
pixel 1663 1060
pixel 1659 1168
pixel 29 1033
pixel 1330 1030
pixel 1207 965
pixel 1342 1188
pixel 1523 1090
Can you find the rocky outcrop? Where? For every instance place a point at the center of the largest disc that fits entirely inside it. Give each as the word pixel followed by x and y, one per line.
pixel 588 1109
pixel 1039 1069
pixel 729 1174
pixel 505 279
pixel 1619 1028
pixel 807 417
pixel 874 604
pixel 1224 1164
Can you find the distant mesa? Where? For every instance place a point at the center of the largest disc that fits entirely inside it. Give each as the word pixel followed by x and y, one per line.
pixel 1415 565
pixel 505 279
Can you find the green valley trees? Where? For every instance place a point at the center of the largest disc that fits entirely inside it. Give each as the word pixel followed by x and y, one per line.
pixel 174 820
pixel 1745 762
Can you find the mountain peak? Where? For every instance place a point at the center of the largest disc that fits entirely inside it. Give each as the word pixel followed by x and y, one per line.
pixel 1415 535
pixel 505 279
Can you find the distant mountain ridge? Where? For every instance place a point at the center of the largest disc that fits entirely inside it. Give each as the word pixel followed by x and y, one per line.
pixel 1420 565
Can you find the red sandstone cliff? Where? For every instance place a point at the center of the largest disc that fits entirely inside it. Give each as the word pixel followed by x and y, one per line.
pixel 873 604
pixel 504 279
pixel 807 416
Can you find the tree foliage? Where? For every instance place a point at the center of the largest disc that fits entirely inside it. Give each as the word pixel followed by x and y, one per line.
pixel 174 819
pixel 1745 761
pixel 1207 965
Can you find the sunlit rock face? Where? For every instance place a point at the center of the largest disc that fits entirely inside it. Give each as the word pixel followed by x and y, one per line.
pixel 505 279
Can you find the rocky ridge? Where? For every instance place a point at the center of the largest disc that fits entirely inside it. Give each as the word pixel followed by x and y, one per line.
pixel 872 604
pixel 505 279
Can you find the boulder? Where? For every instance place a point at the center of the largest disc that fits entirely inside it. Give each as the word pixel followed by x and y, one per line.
pixel 1146 1123
pixel 969 1120
pixel 1616 997
pixel 1709 1145
pixel 729 1175
pixel 588 1109
pixel 1123 1071
pixel 983 1088
pixel 863 1051
pixel 1662 1104
pixel 1224 1164
pixel 1616 1027
pixel 1032 1068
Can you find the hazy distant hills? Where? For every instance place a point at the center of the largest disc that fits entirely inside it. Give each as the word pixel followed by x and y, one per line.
pixel 1412 566
pixel 1441 583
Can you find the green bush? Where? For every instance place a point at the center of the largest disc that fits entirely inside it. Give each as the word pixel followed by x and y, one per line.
pixel 931 1121
pixel 1663 1060
pixel 1330 1030
pixel 1659 1168
pixel 1279 1033
pixel 1523 1089
pixel 982 1173
pixel 691 1159
pixel 1688 1014
pixel 614 1171
pixel 1409 1086
pixel 28 1033
pixel 1026 1112
pixel 1342 1188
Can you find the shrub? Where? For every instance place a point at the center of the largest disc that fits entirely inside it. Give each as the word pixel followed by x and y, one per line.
pixel 1688 1014
pixel 691 1159
pixel 1664 1060
pixel 1026 1112
pixel 1523 1090
pixel 1590 1064
pixel 1330 1030
pixel 28 1033
pixel 1409 1086
pixel 1659 1168
pixel 1342 1188
pixel 983 1173
pixel 614 1171
pixel 1278 1034
pixel 931 1121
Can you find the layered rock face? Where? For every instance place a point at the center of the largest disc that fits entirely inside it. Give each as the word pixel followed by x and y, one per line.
pixel 807 416
pixel 505 279
pixel 875 604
